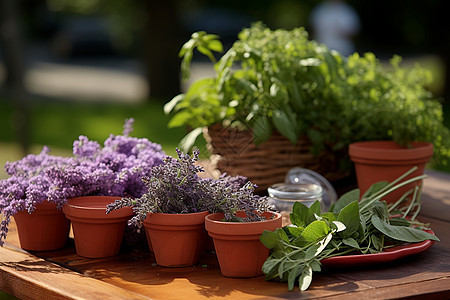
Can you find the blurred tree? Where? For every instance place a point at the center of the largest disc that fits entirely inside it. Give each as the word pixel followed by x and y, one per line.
pixel 162 39
pixel 12 45
pixel 153 29
pixel 148 28
pixel 406 28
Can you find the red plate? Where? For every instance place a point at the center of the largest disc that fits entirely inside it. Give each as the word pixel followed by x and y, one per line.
pixel 387 255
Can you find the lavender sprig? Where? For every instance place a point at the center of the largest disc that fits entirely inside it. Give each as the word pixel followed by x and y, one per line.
pixel 175 187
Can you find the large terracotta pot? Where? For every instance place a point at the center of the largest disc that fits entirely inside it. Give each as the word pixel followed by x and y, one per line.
pixel 239 250
pixel 96 233
pixel 45 229
pixel 385 161
pixel 176 239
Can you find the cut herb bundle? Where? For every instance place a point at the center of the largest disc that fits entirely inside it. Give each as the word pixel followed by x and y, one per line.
pixel 351 226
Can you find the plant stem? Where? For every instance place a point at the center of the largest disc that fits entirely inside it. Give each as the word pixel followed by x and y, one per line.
pixel 373 199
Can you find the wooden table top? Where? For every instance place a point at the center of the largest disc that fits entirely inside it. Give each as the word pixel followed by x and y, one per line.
pixel 134 275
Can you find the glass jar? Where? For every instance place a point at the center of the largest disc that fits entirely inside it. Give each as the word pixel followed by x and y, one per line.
pixel 283 196
pixel 304 176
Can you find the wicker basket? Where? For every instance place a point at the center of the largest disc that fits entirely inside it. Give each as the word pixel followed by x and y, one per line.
pixel 268 162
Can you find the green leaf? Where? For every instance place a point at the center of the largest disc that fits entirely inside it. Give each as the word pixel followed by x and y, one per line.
pixel 398 221
pixel 271 239
pixel 296 97
pixel 292 276
pixel 310 62
pixel 316 231
pixel 349 215
pixel 179 119
pixel 402 233
pixel 376 242
pixel 375 188
pixel 302 215
pixel 329 216
pixel 346 199
pixel 169 106
pixel 189 140
pixel 338 226
pixel 311 252
pixel 215 45
pixel 315 265
pixel 295 230
pixel 314 208
pixel 261 129
pixel 285 124
pixel 351 242
pixel 278 94
pixel 270 266
pixel 305 279
pixel 315 136
pixel 323 243
pixel 204 50
pixel 299 215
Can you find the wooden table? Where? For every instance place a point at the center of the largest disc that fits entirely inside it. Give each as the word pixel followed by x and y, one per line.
pixel 135 275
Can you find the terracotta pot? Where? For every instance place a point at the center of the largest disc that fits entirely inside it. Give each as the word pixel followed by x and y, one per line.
pixel 176 239
pixel 96 233
pixel 239 250
pixel 45 229
pixel 385 161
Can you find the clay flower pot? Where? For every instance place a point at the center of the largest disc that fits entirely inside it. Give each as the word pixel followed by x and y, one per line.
pixel 385 161
pixel 177 239
pixel 239 250
pixel 96 233
pixel 45 229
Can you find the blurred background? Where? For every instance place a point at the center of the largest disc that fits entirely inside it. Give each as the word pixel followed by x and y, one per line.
pixel 72 67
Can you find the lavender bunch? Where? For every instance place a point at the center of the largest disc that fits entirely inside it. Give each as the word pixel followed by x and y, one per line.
pixel 115 169
pixel 233 194
pixel 27 185
pixel 175 187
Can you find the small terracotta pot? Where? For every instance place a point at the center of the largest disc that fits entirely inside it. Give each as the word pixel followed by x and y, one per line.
pixel 96 233
pixel 45 229
pixel 386 161
pixel 176 239
pixel 239 250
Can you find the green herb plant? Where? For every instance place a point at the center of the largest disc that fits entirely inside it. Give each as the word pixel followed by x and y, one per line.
pixel 350 226
pixel 280 80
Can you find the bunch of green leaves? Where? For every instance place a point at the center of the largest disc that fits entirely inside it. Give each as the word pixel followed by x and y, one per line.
pixel 388 102
pixel 351 226
pixel 268 80
pixel 280 80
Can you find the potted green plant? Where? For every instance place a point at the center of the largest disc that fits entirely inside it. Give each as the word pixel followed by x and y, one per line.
pixel 174 208
pixel 278 94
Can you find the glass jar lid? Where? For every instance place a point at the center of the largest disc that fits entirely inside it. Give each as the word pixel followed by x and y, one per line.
pixel 300 176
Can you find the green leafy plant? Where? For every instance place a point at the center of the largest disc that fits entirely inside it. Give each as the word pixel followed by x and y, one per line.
pixel 351 226
pixel 280 80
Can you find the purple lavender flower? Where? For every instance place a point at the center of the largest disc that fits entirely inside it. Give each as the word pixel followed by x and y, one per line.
pixel 175 187
pixel 115 169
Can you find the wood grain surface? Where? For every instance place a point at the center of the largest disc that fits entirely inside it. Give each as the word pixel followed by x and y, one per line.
pixel 134 275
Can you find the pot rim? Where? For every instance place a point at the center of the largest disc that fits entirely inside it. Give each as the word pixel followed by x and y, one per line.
pixel 176 219
pixel 390 150
pixel 214 225
pixel 94 207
